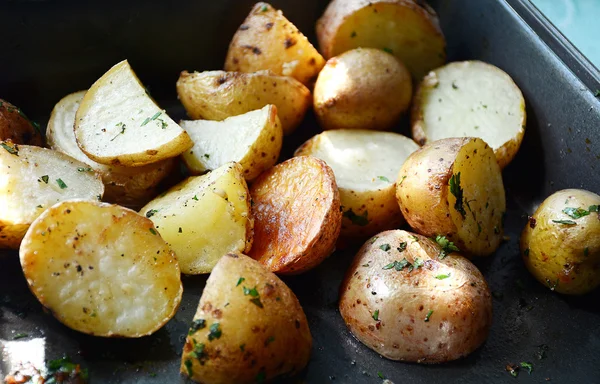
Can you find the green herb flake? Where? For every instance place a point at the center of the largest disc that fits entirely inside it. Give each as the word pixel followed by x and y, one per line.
pixel 207 155
pixel 44 178
pixel 151 213
pixel 527 366
pixel 414 238
pixel 20 335
pixel 383 178
pixel 215 332
pixel 264 8
pixel 380 375
pixel 123 127
pixel 12 150
pixel 256 301
pixel 252 292
pixel 242 347
pixel 457 191
pixel 402 246
pixel 188 367
pixel 594 208
pixel 195 198
pixel 373 240
pixel 196 326
pixel 575 213
pixel 388 50
pixel 82 169
pixel 447 246
pixel 454 86
pixel 402 180
pixel 428 315
pixel 442 277
pixel 526 252
pixel 360 220
pixel 240 281
pixel 385 247
pixel 60 369
pixel 152 231
pixel 586 252
pixel 61 184
pixel 514 371
pixel 565 222
pixel 376 315
pixel 597 93
pixel 552 285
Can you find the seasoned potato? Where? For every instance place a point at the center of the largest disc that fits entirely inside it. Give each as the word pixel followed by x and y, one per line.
pixel 363 88
pixel 101 269
pixel 16 127
pixel 268 41
pixel 297 215
pixel 453 187
pixel 204 217
pixel 253 140
pixel 561 242
pixel 129 186
pixel 249 327
pixel 471 99
pixel 117 123
pixel 408 29
pixel 365 164
pixel 31 180
pixel 407 300
pixel 217 95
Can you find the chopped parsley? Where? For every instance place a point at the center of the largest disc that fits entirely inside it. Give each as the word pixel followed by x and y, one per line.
pixel 402 246
pixel 380 375
pixel 402 180
pixel 388 50
pixel 240 281
pixel 44 178
pixel 215 332
pixel 565 222
pixel 400 265
pixel 149 119
pixel 513 370
pixel 152 231
pixel 123 127
pixel 188 367
pixel 376 315
pixel 527 366
pixel 385 247
pixel 20 335
pixel 383 178
pixel 457 191
pixel 526 252
pixel 360 220
pixel 255 296
pixel 12 150
pixel 242 347
pixel 264 8
pixel 61 184
pixel 428 315
pixel 447 246
pixel 151 213
pixel 63 370
pixel 454 86
pixel 82 169
pixel 415 238
pixel 197 325
pixel 207 155
pixel 442 277
pixel 195 198
pixel 597 93
pixel 575 213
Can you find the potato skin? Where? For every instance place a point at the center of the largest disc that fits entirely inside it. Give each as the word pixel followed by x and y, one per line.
pixel 16 127
pixel 563 257
pixel 376 92
pixel 420 318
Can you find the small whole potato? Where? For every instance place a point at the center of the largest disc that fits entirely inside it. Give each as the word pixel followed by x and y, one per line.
pixel 364 88
pixel 561 242
pixel 16 127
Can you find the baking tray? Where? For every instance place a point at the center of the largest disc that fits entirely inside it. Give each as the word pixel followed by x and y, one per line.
pixel 52 48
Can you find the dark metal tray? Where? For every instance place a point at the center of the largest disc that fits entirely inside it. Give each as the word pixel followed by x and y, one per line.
pixel 51 48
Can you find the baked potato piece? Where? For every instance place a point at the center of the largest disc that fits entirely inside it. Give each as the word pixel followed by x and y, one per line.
pixel 118 123
pixel 217 95
pixel 365 164
pixel 204 217
pixel 471 99
pixel 561 242
pixel 363 88
pixel 408 29
pixel 249 327
pixel 16 127
pixel 268 41
pixel 297 216
pixel 128 186
pixel 101 269
pixel 253 140
pixel 33 179
pixel 453 187
pixel 405 301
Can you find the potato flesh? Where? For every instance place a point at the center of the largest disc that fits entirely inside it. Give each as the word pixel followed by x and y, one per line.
pixel 77 248
pixel 204 217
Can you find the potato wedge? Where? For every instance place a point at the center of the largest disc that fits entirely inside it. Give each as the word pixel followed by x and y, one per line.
pixel 117 123
pixel 297 217
pixel 101 269
pixel 268 41
pixel 253 140
pixel 365 164
pixel 249 327
pixel 453 187
pixel 33 179
pixel 16 127
pixel 471 99
pixel 408 29
pixel 204 217
pixel 217 95
pixel 128 186
pixel 405 301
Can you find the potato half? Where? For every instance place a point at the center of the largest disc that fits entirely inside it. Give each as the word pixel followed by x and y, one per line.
pixel 268 41
pixel 101 269
pixel 471 99
pixel 217 95
pixel 33 179
pixel 365 164
pixel 118 123
pixel 408 29
pixel 296 207
pixel 129 186
pixel 204 217
pixel 16 127
pixel 404 301
pixel 253 140
pixel 453 187
pixel 249 327
pixel 561 242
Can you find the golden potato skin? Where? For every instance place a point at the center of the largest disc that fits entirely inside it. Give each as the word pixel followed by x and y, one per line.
pixel 564 257
pixel 259 339
pixel 363 88
pixel 438 312
pixel 297 217
pixel 16 127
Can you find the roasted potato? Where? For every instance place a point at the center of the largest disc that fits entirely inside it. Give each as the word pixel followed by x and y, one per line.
pixel 268 41
pixel 204 217
pixel 32 180
pixel 217 95
pixel 129 186
pixel 408 29
pixel 118 123
pixel 16 127
pixel 561 242
pixel 365 164
pixel 253 140
pixel 101 269
pixel 249 327
pixel 471 99
pixel 363 88
pixel 407 300
pixel 297 215
pixel 453 187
